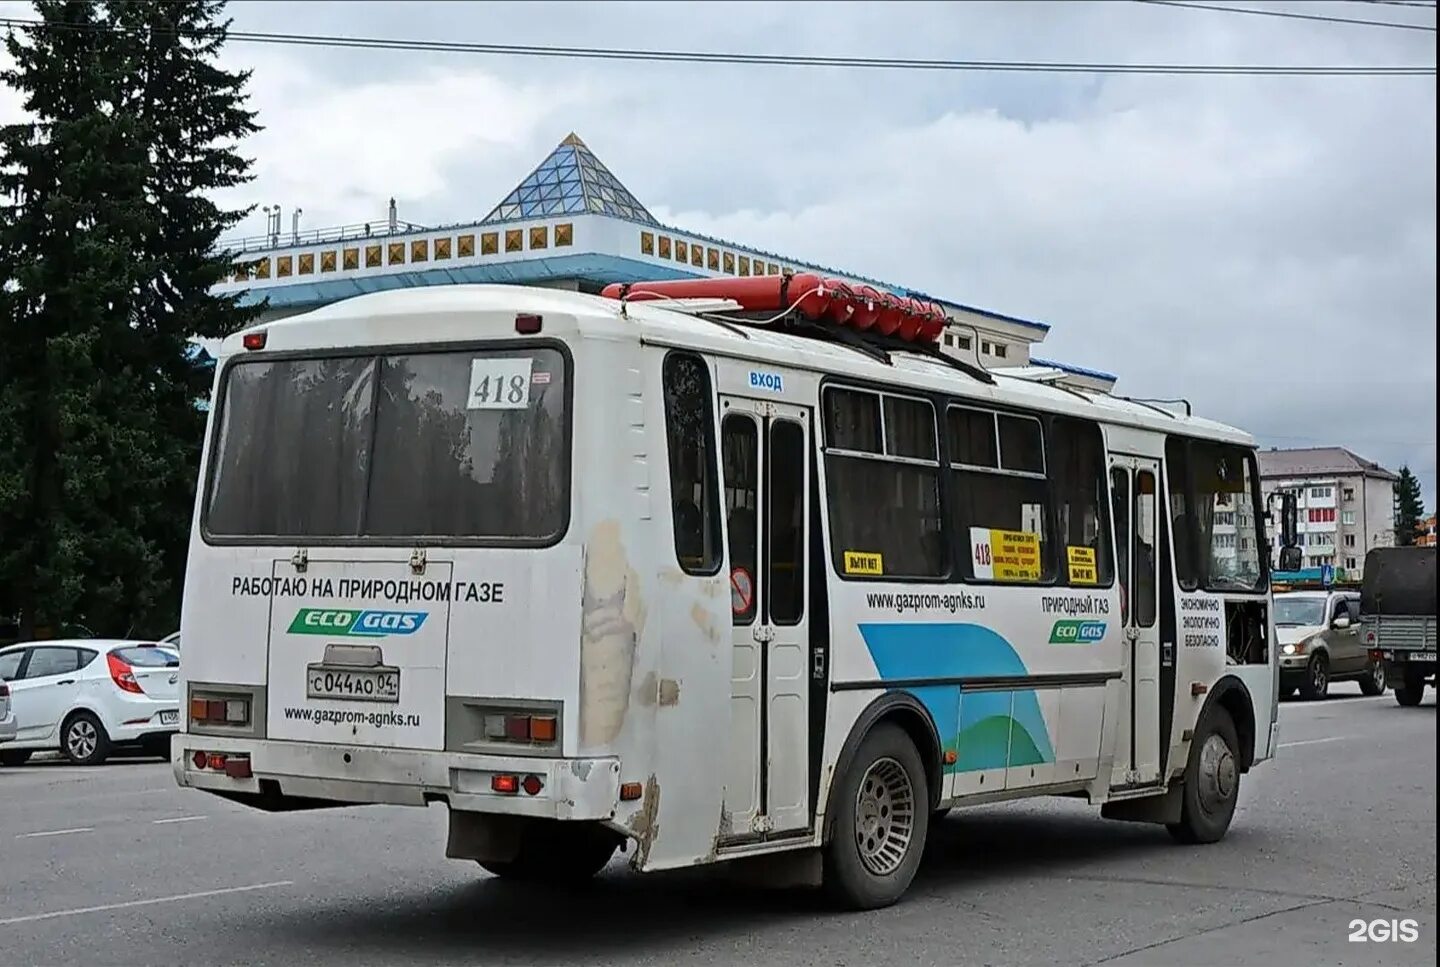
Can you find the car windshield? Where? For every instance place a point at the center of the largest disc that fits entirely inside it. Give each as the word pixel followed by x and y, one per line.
pixel 1294 612
pixel 148 656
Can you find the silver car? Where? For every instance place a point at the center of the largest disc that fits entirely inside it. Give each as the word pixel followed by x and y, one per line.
pixel 1319 637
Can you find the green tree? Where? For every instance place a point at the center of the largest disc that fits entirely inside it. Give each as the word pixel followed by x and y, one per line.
pixel 1409 507
pixel 107 256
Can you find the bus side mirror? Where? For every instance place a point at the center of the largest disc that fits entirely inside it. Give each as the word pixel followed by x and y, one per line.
pixel 1289 522
pixel 1290 558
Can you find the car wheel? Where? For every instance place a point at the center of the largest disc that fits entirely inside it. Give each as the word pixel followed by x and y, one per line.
pixel 83 740
pixel 882 817
pixel 1212 782
pixel 1317 678
pixel 14 757
pixel 1373 683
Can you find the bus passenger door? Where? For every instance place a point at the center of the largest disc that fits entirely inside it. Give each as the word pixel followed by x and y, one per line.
pixel 1135 491
pixel 764 453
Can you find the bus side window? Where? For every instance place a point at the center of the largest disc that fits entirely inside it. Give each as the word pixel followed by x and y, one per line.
pixel 694 479
pixel 740 455
pixel 883 475
pixel 1144 530
pixel 998 484
pixel 1077 480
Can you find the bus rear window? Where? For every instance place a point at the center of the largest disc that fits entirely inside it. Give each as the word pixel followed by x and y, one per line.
pixel 470 445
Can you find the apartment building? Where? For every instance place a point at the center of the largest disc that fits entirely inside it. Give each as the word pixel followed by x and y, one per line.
pixel 1346 504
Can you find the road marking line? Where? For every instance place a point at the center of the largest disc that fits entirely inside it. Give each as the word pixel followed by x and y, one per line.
pixel 56 832
pixel 177 819
pixel 1333 738
pixel 142 903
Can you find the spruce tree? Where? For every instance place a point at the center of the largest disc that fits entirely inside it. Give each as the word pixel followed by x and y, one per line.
pixel 1409 508
pixel 107 255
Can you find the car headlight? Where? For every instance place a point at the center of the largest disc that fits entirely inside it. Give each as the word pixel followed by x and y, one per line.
pixel 1287 650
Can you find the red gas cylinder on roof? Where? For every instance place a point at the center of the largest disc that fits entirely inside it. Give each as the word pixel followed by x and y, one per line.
pixel 858 306
pixel 867 307
pixel 887 321
pixel 934 322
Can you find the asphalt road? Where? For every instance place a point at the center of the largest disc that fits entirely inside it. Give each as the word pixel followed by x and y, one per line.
pixel 115 865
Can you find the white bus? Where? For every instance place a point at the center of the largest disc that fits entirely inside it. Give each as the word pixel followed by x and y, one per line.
pixel 669 578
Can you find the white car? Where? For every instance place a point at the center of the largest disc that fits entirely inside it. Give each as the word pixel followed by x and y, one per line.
pixel 85 697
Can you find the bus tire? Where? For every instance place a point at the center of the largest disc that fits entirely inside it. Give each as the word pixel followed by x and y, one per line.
pixel 1212 781
pixel 557 853
pixel 882 816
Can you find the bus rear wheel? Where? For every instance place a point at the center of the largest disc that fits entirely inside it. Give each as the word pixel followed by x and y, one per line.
pixel 1212 782
pixel 557 853
pixel 882 816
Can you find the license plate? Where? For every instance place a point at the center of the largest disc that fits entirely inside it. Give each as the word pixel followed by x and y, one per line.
pixel 353 684
pixel 1422 656
pixel 170 718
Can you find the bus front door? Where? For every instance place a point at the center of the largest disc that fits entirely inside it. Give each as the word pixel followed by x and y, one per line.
pixel 1135 491
pixel 764 453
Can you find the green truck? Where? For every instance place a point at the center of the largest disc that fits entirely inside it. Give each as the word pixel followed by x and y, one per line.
pixel 1397 617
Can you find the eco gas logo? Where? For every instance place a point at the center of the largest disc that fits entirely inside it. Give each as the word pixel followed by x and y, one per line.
pixel 1071 632
pixel 355 624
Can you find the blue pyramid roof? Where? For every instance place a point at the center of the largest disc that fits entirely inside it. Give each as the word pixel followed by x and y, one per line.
pixel 571 181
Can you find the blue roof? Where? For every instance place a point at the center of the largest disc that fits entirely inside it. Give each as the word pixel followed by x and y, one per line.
pixel 1076 370
pixel 571 181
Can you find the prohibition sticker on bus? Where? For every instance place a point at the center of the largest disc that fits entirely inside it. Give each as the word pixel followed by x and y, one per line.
pixel 1001 555
pixel 864 562
pixel 742 590
pixel 1082 564
pixel 500 383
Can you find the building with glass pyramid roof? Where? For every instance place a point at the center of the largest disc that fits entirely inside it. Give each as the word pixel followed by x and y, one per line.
pixel 570 223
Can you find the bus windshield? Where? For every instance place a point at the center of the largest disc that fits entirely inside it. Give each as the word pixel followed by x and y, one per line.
pixel 470 445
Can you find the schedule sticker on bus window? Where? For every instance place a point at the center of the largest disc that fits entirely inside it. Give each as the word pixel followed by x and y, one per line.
pixel 1082 565
pixel 500 383
pixel 1001 555
pixel 862 562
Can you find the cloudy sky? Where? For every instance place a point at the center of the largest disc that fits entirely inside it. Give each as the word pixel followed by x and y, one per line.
pixel 1262 246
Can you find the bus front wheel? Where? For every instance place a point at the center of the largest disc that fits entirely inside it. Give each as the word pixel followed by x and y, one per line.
pixel 557 853
pixel 1212 782
pixel 882 815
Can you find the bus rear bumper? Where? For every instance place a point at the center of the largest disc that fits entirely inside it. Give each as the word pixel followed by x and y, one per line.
pixel 269 774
